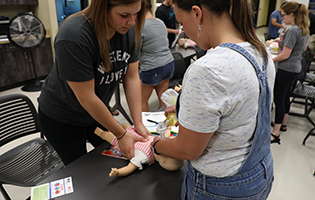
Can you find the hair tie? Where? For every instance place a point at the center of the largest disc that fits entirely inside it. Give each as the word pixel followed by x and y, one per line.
pixel 122 135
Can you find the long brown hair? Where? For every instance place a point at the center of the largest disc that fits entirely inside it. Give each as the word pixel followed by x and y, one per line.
pixel 241 15
pixel 96 14
pixel 300 12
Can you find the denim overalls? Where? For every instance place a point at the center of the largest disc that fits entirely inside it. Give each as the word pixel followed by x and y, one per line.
pixel 255 177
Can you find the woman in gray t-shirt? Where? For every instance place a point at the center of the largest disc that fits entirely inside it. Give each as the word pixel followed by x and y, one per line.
pixel 156 60
pixel 292 45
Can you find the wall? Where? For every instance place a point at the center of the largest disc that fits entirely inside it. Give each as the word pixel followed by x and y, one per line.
pixel 306 2
pixel 262 11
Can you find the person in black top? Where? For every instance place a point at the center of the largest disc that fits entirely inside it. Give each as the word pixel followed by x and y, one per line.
pixel 94 50
pixel 311 40
pixel 166 13
pixel 312 23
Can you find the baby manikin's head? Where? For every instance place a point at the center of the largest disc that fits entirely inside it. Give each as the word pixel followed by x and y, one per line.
pixel 168 163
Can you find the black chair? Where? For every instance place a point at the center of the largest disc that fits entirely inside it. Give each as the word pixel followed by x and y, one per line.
pixel 31 162
pixel 302 90
pixel 309 77
pixel 267 37
pixel 199 51
pixel 179 70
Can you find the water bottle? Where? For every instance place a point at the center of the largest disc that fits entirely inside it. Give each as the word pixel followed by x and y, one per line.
pixel 170 120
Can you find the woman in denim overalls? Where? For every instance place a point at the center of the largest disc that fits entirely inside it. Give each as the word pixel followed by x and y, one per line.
pixel 224 107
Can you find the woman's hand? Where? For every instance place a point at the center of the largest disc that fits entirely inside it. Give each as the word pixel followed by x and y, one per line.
pixel 170 109
pixel 127 142
pixel 142 130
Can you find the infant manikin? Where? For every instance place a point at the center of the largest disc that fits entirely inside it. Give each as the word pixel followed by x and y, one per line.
pixel 143 154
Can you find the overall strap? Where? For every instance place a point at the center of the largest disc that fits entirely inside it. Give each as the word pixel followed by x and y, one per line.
pixel 260 148
pixel 249 57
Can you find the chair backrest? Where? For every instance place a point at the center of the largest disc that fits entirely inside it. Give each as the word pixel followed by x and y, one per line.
pixel 179 71
pixel 267 36
pixel 18 118
pixel 304 69
pixel 307 54
pixel 180 66
pixel 199 51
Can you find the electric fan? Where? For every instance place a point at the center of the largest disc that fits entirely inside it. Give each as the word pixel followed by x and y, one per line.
pixel 27 31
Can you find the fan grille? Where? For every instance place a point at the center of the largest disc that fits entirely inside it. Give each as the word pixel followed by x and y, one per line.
pixel 26 30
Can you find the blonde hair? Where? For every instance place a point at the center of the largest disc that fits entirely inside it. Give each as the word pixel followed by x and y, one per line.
pixel 300 12
pixel 96 14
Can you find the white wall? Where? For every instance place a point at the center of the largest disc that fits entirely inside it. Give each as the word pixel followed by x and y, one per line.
pixel 306 2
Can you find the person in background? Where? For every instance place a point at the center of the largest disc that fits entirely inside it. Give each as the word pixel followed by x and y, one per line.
pixel 94 49
pixel 275 23
pixel 224 105
pixel 292 44
pixel 156 60
pixel 311 40
pixel 166 13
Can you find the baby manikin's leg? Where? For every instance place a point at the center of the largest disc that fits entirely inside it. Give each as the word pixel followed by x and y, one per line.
pixel 105 135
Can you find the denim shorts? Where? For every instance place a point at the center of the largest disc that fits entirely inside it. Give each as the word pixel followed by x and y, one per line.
pixel 252 185
pixel 155 76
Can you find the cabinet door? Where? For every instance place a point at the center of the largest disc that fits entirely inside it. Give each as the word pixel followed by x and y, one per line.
pixel 24 2
pixel 15 67
pixel 16 64
pixel 43 59
pixel 5 2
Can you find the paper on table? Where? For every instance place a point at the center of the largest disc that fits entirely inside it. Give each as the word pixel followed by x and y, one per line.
pixel 52 189
pixel 155 116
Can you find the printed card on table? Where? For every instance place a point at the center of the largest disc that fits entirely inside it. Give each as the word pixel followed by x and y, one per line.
pixel 52 189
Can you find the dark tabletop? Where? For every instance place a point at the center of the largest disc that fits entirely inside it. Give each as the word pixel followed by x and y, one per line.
pixel 186 52
pixel 91 181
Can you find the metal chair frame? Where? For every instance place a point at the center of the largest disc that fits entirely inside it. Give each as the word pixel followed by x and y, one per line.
pixel 29 163
pixel 302 89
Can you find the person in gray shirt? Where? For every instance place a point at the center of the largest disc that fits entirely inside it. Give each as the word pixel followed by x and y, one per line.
pixel 156 60
pixel 292 45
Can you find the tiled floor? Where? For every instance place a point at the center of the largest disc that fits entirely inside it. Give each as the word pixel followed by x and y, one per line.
pixel 294 163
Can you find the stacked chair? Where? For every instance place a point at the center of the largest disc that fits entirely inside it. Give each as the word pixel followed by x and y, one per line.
pixel 32 161
pixel 303 91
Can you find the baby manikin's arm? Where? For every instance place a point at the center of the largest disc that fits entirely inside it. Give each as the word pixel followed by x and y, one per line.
pixel 124 171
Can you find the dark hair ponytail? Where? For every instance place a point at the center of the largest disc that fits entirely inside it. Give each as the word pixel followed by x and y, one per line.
pixel 241 15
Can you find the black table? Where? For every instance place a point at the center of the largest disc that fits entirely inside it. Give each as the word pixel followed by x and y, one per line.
pixel 91 181
pixel 187 53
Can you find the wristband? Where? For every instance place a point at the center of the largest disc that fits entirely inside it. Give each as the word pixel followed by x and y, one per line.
pixel 122 135
pixel 153 146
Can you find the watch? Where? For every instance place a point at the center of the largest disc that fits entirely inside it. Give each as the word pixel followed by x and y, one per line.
pixel 153 146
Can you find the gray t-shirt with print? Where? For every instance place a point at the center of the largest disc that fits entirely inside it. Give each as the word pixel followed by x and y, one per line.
pixel 293 39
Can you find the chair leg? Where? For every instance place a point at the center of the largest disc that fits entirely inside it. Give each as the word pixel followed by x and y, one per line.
pixel 119 107
pixel 4 193
pixel 310 133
